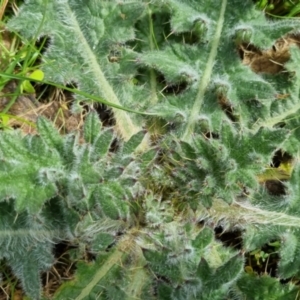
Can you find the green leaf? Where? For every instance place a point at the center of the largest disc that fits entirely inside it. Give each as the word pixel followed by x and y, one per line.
pixel 204 272
pixel 131 145
pixel 203 239
pixel 92 127
pixel 37 74
pixel 27 86
pixel 102 144
pixel 25 244
pixel 102 241
pixel 266 287
pixel 111 198
pixel 229 272
pixel 164 291
pixel 289 255
pixel 27 175
pixel 93 279
pixel 49 134
pixel 159 265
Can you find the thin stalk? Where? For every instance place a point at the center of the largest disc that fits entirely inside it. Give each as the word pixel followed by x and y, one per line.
pixel 138 276
pixel 244 214
pixel 75 91
pixel 2 8
pixel 118 255
pixel 193 118
pixel 124 124
pixel 153 85
pixel 271 122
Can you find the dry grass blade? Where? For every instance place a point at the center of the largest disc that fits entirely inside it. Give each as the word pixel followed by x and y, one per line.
pixel 25 111
pixel 2 8
pixel 269 61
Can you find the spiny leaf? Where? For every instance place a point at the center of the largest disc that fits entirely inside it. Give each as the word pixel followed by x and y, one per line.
pixel 89 45
pixel 203 239
pixel 204 272
pixel 131 145
pixel 111 199
pixel 265 287
pixel 229 272
pixel 102 144
pixel 92 278
pixel 49 134
pixel 92 127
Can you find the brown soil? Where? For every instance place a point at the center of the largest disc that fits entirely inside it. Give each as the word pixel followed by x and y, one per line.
pixel 25 110
pixel 271 60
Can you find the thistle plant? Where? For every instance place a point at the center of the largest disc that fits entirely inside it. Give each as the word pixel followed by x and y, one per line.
pixel 146 195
